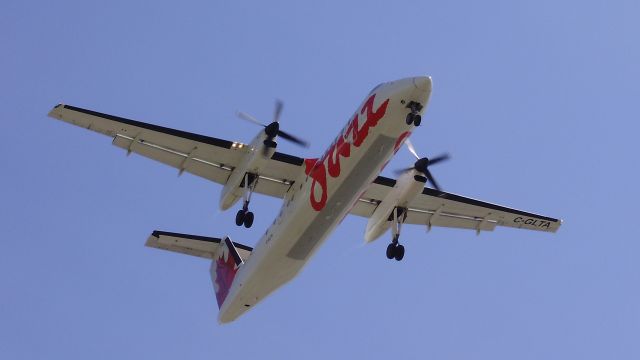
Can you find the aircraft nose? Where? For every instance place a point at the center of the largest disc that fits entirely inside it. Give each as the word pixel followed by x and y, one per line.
pixel 422 82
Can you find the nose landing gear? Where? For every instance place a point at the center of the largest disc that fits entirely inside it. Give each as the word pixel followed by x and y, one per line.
pixel 244 216
pixel 413 117
pixel 395 250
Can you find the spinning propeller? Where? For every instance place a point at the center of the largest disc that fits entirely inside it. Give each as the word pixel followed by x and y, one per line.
pixel 272 130
pixel 422 164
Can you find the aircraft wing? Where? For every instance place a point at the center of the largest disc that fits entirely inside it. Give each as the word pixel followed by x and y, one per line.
pixel 204 156
pixel 438 208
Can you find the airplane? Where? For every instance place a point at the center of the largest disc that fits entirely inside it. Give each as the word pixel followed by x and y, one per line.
pixel 318 193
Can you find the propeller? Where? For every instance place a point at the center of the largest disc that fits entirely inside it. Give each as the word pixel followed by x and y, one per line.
pixel 422 164
pixel 273 129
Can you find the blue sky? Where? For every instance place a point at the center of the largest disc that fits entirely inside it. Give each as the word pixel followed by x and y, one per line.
pixel 536 101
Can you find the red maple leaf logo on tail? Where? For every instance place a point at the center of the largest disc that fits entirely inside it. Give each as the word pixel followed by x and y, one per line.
pixel 225 273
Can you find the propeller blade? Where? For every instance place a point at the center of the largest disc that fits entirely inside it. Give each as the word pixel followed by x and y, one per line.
pixel 272 130
pixel 244 116
pixel 411 148
pixel 440 158
pixel 402 171
pixel 422 164
pixel 276 115
pixel 431 179
pixel 293 139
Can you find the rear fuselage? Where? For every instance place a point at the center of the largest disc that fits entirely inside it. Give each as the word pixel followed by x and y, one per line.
pixel 318 201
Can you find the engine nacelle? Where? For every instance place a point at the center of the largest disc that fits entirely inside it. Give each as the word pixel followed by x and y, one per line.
pixel 407 187
pixel 260 151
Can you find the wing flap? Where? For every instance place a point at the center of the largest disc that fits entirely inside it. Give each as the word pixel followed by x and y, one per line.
pixel 446 219
pixel 190 162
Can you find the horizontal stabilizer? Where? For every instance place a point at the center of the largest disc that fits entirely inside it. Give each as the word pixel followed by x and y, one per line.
pixel 195 245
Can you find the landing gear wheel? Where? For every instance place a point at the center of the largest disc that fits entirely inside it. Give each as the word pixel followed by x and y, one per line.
pixel 248 219
pixel 409 118
pixel 240 218
pixel 391 251
pixel 399 252
pixel 244 216
pixel 417 119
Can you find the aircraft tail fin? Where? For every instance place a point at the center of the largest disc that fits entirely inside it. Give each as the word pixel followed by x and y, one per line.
pixel 224 268
pixel 227 256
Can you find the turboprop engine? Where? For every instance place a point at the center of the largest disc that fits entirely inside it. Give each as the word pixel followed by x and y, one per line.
pixel 259 152
pixel 408 185
pixel 244 177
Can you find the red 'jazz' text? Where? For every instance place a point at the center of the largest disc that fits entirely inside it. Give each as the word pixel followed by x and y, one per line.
pixel 354 134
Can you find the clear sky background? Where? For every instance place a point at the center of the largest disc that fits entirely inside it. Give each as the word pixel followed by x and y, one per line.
pixel 536 101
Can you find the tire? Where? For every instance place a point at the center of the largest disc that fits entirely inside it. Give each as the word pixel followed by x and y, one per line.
pixel 391 251
pixel 399 252
pixel 248 220
pixel 417 119
pixel 240 217
pixel 409 118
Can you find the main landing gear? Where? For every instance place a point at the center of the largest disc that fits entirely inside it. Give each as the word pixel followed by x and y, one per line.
pixel 413 117
pixel 395 250
pixel 244 216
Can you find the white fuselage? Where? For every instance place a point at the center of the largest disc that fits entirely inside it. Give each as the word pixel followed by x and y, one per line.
pixel 317 202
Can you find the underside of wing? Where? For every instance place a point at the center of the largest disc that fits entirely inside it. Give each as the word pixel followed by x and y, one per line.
pixel 438 208
pixel 207 157
pixel 195 245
